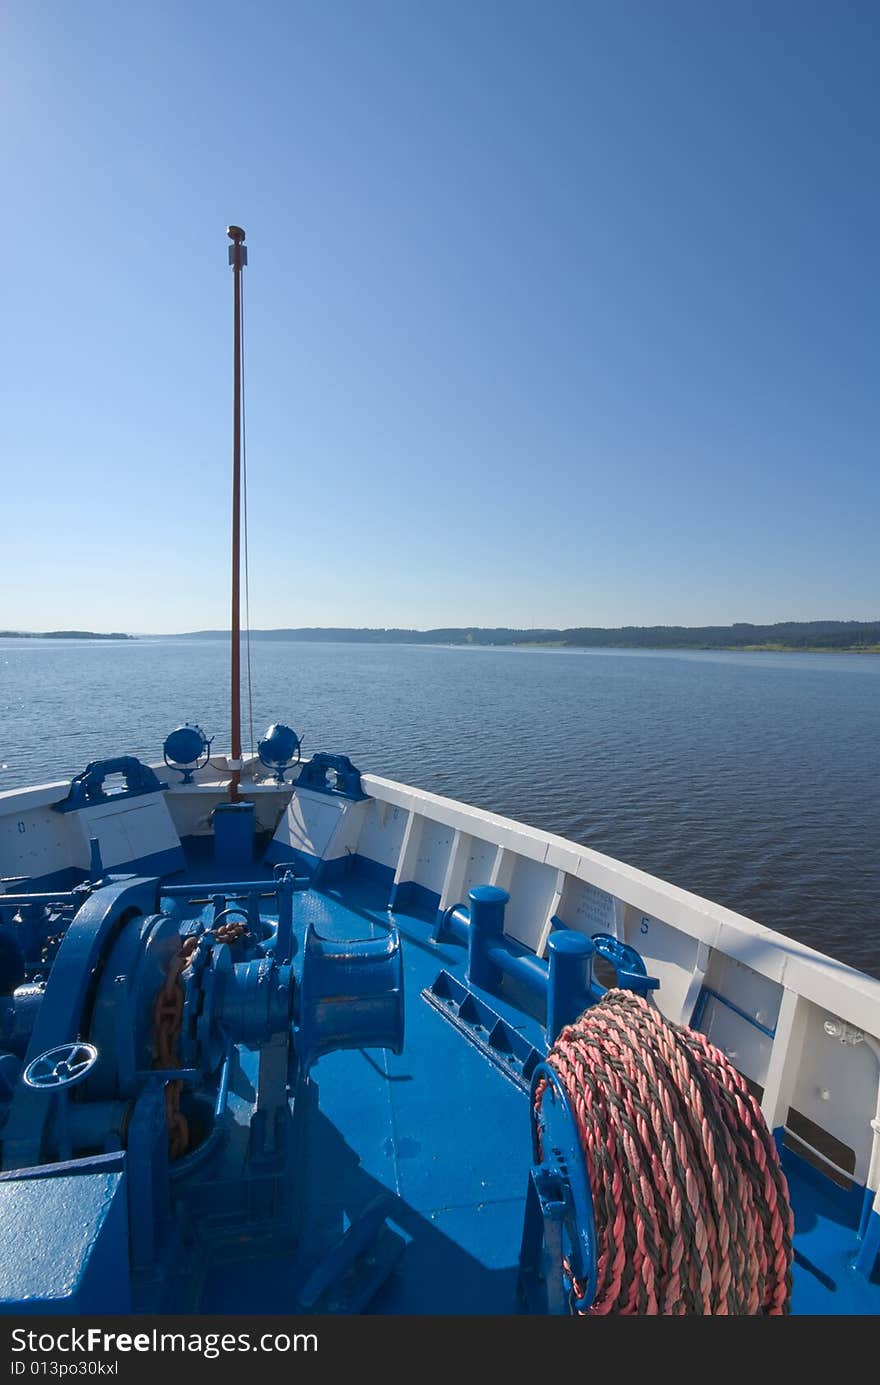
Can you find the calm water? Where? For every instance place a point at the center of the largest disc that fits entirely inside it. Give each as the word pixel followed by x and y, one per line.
pixel 753 779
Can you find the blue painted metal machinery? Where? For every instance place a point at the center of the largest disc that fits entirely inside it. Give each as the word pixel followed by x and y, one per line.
pixel 559 1233
pixel 161 1060
pixel 87 789
pixel 561 986
pixel 347 779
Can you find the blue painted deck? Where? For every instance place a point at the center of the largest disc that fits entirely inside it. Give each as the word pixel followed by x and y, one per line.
pixel 446 1135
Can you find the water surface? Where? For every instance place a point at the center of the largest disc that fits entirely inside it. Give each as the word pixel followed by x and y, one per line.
pixel 753 779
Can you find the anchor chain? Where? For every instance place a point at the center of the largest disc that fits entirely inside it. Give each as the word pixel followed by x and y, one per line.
pixel 230 932
pixel 167 1022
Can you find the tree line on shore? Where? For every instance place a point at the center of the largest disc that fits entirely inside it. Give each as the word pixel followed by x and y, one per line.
pixel 824 634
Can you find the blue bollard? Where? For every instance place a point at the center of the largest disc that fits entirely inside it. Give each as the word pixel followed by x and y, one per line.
pixel 487 904
pixel 562 982
pixel 569 980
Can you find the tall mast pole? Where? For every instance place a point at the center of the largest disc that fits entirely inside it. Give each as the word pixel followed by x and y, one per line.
pixel 238 259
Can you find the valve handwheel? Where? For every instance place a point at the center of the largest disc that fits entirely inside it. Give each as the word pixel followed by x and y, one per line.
pixel 63 1066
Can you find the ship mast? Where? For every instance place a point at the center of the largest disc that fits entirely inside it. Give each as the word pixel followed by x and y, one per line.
pixel 238 259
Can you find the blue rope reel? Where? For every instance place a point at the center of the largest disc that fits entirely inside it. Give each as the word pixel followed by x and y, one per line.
pixel 280 749
pixel 187 749
pixel 559 1253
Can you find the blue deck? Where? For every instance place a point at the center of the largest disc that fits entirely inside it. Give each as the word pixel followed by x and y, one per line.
pixel 446 1135
pixel 437 1128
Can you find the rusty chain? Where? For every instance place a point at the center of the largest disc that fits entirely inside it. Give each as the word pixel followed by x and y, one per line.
pixel 230 932
pixel 167 1022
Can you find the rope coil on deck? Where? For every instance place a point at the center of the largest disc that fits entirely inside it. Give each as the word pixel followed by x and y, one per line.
pixel 690 1202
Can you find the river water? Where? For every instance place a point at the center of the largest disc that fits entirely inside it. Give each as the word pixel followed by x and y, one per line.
pixel 752 779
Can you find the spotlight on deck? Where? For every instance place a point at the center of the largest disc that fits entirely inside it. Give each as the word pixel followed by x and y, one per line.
pixel 279 749
pixel 187 749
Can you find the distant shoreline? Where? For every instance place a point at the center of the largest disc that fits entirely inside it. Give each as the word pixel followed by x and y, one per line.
pixel 791 637
pixel 62 635
pixel 698 648
pixel 821 636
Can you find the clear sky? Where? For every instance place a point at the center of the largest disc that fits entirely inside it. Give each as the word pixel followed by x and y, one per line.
pixel 557 313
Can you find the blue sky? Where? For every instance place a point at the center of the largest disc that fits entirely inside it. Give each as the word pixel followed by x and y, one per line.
pixel 557 313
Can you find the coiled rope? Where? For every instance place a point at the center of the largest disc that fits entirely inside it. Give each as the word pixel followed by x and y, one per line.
pixel 691 1206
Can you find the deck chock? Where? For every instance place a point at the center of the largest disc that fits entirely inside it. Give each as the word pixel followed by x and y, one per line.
pixel 143 843
pixel 347 781
pixel 505 1047
pixel 87 789
pixel 355 1268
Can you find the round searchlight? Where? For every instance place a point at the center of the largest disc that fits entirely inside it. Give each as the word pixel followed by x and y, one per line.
pixel 187 749
pixel 279 749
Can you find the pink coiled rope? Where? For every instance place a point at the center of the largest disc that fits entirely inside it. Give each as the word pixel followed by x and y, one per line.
pixel 690 1202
